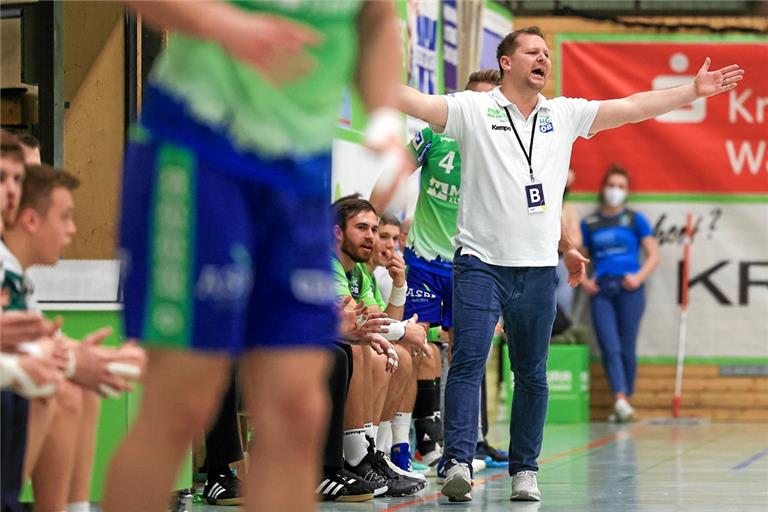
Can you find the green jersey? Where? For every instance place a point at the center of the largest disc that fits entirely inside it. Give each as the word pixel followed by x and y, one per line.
pixel 375 288
pixel 356 282
pixel 434 221
pixel 14 282
pixel 294 119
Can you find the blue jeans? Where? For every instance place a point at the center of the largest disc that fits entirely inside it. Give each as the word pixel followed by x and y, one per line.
pixel 525 297
pixel 616 315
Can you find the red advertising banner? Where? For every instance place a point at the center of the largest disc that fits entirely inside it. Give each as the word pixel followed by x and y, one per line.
pixel 717 145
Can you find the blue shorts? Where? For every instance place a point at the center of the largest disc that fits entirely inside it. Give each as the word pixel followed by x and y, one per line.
pixel 430 291
pixel 216 261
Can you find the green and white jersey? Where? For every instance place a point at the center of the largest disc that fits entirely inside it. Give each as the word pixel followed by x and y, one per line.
pixel 356 283
pixel 294 119
pixel 375 288
pixel 434 220
pixel 15 283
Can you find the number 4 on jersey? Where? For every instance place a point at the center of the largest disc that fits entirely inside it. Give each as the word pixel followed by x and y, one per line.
pixel 447 162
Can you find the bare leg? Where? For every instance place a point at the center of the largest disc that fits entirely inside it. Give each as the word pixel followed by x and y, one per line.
pixel 181 395
pixel 397 384
pixel 381 380
pixel 41 413
pixel 52 472
pixel 285 392
pixel 80 486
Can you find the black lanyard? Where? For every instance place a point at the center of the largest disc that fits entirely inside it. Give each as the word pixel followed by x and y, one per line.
pixel 529 154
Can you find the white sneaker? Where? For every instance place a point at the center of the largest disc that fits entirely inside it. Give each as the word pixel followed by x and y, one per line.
pixel 478 465
pixel 458 482
pixel 431 459
pixel 524 487
pixel 623 411
pixel 415 475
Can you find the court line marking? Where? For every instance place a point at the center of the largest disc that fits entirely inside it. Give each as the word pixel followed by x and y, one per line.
pixel 671 457
pixel 754 458
pixel 597 443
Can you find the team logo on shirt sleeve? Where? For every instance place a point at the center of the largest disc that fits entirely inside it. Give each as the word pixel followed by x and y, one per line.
pixel 418 140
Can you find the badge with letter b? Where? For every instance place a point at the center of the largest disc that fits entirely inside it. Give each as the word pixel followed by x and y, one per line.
pixel 534 196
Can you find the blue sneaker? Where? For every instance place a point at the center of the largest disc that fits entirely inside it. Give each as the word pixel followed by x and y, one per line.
pixel 401 456
pixel 440 471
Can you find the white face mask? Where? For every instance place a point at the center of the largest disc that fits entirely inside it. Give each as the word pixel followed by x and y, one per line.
pixel 614 196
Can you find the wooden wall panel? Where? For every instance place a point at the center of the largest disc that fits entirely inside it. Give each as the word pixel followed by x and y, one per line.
pixel 94 122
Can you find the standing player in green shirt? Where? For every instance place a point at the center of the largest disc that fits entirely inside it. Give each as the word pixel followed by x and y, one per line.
pixel 429 256
pixel 224 231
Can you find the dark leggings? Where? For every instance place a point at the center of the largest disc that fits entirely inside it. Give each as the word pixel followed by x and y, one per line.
pixel 222 444
pixel 338 385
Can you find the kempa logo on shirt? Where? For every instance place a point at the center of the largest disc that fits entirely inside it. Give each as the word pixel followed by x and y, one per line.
pixel 501 127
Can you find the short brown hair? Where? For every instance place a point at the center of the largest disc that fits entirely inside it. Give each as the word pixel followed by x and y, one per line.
pixel 26 138
pixel 39 183
pixel 490 76
pixel 349 206
pixel 10 146
pixel 613 170
pixel 387 219
pixel 509 44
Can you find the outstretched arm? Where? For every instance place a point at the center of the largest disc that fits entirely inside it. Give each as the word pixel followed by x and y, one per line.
pixel 427 107
pixel 645 105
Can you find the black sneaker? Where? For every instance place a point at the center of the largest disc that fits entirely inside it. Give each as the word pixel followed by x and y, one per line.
pixel 344 486
pixel 224 489
pixel 399 485
pixel 493 457
pixel 367 472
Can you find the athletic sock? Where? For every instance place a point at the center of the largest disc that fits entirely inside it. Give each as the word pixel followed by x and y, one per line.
pixel 216 471
pixel 79 506
pixel 401 428
pixel 370 437
pixel 384 437
pixel 355 446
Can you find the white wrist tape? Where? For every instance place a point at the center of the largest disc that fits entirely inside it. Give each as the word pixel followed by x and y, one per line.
pixel 397 297
pixel 395 331
pixel 71 368
pixel 13 375
pixel 384 125
pixel 31 348
pixel 126 370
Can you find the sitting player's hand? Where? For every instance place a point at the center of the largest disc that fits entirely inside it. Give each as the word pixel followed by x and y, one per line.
pixel 415 338
pixel 20 326
pixel 383 347
pixel 349 312
pixel 45 374
pixel 106 370
pixel 396 268
pixel 374 323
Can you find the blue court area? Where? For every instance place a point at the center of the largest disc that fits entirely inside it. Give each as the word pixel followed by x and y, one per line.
pixel 603 467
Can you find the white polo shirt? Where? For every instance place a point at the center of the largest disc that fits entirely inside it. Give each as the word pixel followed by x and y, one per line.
pixel 493 222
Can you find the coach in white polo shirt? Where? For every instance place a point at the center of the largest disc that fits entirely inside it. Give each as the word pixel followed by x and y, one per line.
pixel 515 150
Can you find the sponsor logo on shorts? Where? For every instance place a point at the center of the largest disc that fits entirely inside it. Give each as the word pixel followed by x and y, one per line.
pixel 313 286
pixel 229 284
pixel 501 127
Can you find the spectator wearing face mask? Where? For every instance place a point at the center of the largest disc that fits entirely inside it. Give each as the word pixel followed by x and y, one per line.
pixel 613 237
